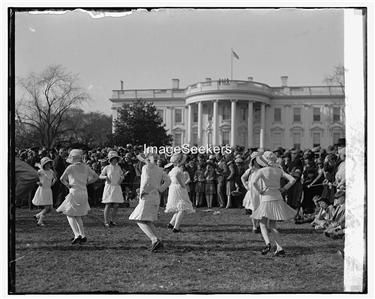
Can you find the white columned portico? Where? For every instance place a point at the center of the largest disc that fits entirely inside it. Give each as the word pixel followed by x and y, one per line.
pixel 189 129
pixel 199 123
pixel 250 124
pixel 262 124
pixel 215 123
pixel 233 123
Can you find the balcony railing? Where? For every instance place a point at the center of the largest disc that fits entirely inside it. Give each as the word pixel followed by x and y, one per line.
pixel 224 85
pixel 148 93
pixel 308 91
pixel 227 85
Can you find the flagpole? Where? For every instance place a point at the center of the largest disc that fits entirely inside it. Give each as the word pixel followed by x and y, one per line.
pixel 231 64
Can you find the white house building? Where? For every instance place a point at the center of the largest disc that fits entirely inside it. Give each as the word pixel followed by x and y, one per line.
pixel 247 113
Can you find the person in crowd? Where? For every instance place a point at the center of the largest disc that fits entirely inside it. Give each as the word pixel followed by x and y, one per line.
pixel 58 189
pixel 129 176
pixel 199 180
pixel 296 162
pixel 153 182
pixel 329 170
pixel 178 201
pixel 336 225
pixel 279 155
pixel 251 200
pixel 272 207
pixel 221 174
pixel 191 168
pixel 76 177
pixel 325 213
pixel 112 194
pixel 294 194
pixel 340 170
pixel 43 195
pixel 210 187
pixel 309 192
pixel 231 179
pixel 239 162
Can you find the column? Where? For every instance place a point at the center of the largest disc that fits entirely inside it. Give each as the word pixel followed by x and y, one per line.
pixel 233 123
pixel 199 141
pixel 262 124
pixel 214 123
pixel 250 124
pixel 189 129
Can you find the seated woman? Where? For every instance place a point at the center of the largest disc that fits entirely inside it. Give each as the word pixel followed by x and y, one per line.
pixel 324 214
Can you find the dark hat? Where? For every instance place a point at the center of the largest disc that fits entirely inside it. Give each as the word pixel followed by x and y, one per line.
pixel 279 150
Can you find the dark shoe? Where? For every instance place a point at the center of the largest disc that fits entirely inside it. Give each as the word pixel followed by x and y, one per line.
pixel 107 225
pixel 113 223
pixel 157 245
pixel 266 249
pixel 77 240
pixel 83 240
pixel 279 253
pixel 170 226
pixel 175 230
pixel 257 230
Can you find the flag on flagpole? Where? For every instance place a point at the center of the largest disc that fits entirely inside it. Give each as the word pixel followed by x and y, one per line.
pixel 235 54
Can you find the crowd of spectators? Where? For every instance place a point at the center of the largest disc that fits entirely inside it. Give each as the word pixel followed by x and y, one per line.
pixel 214 180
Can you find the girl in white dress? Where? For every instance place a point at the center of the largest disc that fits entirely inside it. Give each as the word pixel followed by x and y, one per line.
pixel 76 177
pixel 251 200
pixel 112 194
pixel 153 182
pixel 272 207
pixel 43 195
pixel 178 201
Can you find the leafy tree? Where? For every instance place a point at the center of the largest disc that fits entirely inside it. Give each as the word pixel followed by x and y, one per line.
pixel 139 123
pixel 46 99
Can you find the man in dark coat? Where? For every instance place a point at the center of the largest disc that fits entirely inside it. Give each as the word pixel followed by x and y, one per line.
pixel 59 190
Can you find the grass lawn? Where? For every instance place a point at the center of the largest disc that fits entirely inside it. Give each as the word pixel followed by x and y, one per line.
pixel 214 254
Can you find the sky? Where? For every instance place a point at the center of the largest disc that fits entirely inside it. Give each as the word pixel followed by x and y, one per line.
pixel 146 49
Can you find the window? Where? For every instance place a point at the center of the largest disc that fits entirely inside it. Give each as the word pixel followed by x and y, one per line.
pixel 243 113
pixel 316 139
pixel 316 114
pixel 336 114
pixel 297 114
pixel 226 111
pixel 257 115
pixel 209 138
pixel 178 116
pixel 336 137
pixel 177 139
pixel 225 138
pixel 194 138
pixel 277 115
pixel 160 113
pixel 195 113
pixel 297 140
pixel 276 139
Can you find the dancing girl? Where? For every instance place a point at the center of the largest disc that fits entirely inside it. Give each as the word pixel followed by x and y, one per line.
pixel 272 207
pixel 153 182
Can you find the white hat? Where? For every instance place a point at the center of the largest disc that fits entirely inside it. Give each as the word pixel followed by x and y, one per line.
pixel 267 159
pixel 145 157
pixel 113 154
pixel 75 156
pixel 178 158
pixel 44 161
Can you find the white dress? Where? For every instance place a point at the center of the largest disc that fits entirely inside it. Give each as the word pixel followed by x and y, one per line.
pixel 272 205
pixel 251 200
pixel 43 195
pixel 153 181
pixel 112 192
pixel 178 197
pixel 76 202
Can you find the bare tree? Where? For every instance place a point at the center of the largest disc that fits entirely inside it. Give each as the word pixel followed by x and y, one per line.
pixel 337 77
pixel 46 100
